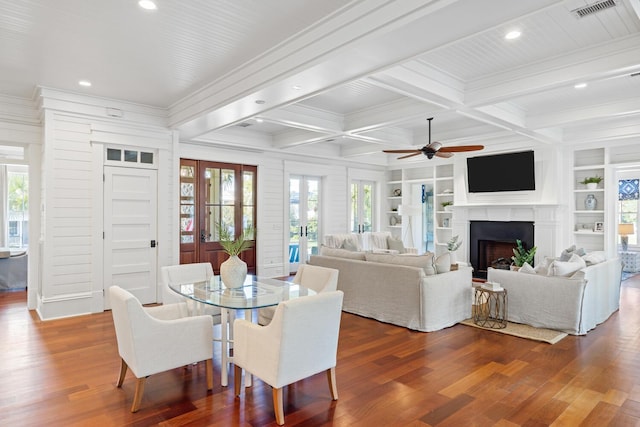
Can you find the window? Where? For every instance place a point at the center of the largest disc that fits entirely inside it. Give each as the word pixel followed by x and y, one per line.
pixel 18 206
pixel 628 198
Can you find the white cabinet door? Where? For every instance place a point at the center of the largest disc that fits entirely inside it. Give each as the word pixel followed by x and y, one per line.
pixel 130 219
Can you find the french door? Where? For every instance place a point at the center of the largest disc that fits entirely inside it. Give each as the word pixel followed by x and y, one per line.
pixel 362 203
pixel 304 219
pixel 213 193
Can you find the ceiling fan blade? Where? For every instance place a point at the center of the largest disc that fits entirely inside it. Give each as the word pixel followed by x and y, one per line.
pixel 461 148
pixel 402 151
pixel 443 154
pixel 410 155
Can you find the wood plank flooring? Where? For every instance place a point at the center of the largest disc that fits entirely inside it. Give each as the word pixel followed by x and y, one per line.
pixel 63 373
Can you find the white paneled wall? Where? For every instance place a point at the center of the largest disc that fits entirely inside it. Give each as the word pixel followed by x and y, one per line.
pixel 70 271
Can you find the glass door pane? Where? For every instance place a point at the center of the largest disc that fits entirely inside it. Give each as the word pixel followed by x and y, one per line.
pixel 311 229
pixel 362 206
pixel 304 220
pixel 294 223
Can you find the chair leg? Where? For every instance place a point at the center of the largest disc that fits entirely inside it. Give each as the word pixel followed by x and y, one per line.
pixel 209 373
pixel 331 376
pixel 123 372
pixel 137 397
pixel 278 406
pixel 237 379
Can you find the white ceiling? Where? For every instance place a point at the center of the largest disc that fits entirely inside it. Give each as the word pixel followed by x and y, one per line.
pixel 370 72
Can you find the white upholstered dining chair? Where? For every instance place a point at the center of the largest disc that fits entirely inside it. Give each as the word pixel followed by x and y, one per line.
pixel 157 339
pixel 320 279
pixel 188 273
pixel 300 341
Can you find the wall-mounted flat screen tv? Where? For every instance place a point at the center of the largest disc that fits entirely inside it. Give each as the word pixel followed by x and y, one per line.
pixel 501 172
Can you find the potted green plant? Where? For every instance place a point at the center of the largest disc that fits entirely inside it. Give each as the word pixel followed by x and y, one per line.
pixel 446 206
pixel 233 271
pixel 521 255
pixel 591 182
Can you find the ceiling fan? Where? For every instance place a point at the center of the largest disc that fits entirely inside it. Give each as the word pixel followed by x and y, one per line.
pixel 435 148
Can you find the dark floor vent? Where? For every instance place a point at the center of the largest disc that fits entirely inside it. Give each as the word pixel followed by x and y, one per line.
pixel 593 8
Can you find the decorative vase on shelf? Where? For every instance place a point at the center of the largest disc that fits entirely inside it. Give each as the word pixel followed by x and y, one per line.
pixel 393 220
pixel 233 272
pixel 590 203
pixel 592 185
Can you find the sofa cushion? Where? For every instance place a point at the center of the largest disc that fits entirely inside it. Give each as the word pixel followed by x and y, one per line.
pixel 566 254
pixel 341 253
pixel 349 246
pixel 421 261
pixel 338 240
pixel 442 263
pixel 543 266
pixel 395 245
pixel 527 269
pixel 566 268
pixel 595 257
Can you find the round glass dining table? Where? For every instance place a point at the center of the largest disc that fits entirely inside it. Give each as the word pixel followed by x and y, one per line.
pixel 256 292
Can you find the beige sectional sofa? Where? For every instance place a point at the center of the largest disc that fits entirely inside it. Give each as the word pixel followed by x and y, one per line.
pixel 404 295
pixel 573 304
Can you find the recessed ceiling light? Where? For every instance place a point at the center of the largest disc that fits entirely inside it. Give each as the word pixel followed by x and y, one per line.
pixel 147 4
pixel 260 101
pixel 296 87
pixel 580 86
pixel 259 120
pixel 85 83
pixel 512 35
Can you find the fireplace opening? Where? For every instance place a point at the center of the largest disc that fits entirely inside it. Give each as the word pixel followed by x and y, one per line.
pixel 492 243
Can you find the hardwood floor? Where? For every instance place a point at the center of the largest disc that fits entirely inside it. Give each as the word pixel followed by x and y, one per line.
pixel 63 373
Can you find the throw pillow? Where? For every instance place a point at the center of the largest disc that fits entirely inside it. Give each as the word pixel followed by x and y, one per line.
pixel 442 263
pixel 566 268
pixel 395 245
pixel 594 257
pixel 424 261
pixel 566 254
pixel 543 266
pixel 349 245
pixel 526 268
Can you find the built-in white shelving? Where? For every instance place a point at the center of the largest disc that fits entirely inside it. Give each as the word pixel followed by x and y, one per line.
pixel 588 222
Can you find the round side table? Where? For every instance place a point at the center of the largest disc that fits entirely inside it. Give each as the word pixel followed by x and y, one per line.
pixel 490 308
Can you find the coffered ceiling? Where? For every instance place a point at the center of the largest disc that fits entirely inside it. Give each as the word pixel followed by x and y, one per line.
pixel 338 78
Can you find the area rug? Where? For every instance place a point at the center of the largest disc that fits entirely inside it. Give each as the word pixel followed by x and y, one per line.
pixel 626 275
pixel 524 331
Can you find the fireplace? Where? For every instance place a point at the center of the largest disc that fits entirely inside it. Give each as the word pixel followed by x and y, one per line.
pixel 491 243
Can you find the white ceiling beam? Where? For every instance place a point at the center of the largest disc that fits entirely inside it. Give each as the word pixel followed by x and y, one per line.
pixel 297 137
pixel 584 114
pixel 390 136
pixel 389 114
pixel 302 117
pixel 611 59
pixel 420 81
pixel 365 38
pixel 594 134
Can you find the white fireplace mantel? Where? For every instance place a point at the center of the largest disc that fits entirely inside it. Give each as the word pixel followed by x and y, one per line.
pixel 547 219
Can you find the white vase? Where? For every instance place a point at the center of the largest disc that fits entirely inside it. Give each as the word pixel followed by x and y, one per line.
pixel 592 185
pixel 452 256
pixel 233 272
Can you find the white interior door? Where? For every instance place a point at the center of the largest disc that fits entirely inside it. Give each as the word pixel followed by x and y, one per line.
pixel 130 223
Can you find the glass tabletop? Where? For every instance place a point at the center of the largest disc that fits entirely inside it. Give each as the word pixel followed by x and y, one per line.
pixel 256 292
